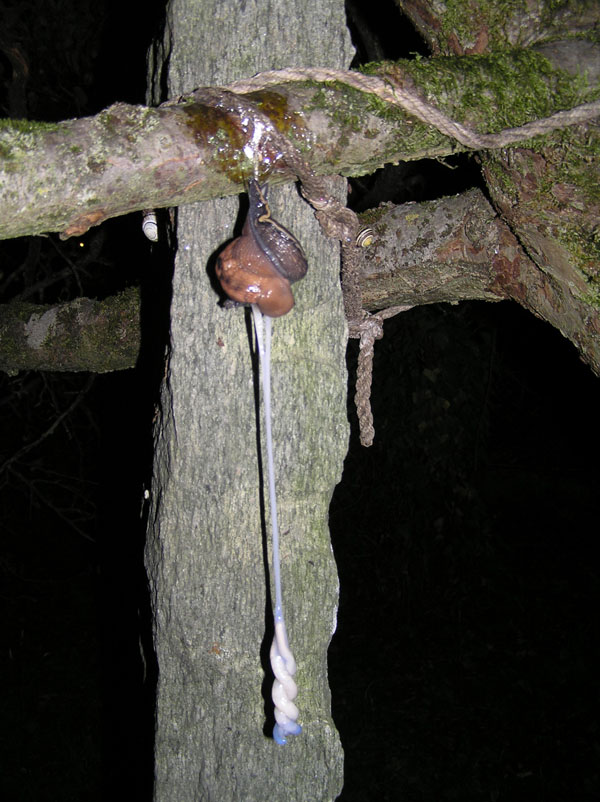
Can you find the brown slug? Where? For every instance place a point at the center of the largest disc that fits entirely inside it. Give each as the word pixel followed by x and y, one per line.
pixel 259 266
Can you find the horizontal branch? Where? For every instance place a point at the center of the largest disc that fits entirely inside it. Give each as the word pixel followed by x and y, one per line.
pixel 449 250
pixel 72 175
pixel 457 249
pixel 96 336
pixel 446 250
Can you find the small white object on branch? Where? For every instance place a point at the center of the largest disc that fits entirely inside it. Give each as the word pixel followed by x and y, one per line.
pixel 149 224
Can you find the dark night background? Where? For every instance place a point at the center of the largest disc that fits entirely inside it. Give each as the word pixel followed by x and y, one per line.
pixel 465 666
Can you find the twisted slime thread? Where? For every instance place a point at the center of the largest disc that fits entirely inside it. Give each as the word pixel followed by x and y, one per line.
pixel 282 660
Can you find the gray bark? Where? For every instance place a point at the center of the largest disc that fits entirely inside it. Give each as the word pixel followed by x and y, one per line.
pixel 205 552
pixel 441 251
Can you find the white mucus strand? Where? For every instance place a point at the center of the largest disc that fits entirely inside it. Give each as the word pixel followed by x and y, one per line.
pixel 282 660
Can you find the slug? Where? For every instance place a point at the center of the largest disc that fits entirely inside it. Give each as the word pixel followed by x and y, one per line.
pixel 259 266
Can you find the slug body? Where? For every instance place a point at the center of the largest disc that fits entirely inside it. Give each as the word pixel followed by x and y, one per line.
pixel 259 266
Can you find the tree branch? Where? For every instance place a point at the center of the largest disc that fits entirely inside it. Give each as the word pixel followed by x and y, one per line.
pixel 458 249
pixel 437 251
pixel 98 336
pixel 72 175
pixel 444 251
pixel 453 249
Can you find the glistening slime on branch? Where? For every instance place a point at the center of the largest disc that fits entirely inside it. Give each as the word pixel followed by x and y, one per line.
pixel 257 268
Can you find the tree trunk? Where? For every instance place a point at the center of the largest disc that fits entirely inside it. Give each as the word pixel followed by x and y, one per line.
pixel 206 552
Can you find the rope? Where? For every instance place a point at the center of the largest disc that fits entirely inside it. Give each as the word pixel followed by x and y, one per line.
pixel 371 329
pixel 414 104
pixel 368 330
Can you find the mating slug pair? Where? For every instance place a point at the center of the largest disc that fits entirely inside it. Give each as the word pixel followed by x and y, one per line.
pixel 259 266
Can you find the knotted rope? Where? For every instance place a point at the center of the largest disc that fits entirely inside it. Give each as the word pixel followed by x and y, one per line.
pixel 369 329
